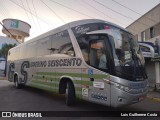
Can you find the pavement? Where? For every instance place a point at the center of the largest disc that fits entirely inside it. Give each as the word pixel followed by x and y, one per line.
pixel 2 75
pixel 154 95
pixel 2 78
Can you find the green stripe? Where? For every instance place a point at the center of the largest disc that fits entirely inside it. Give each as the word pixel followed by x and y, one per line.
pixel 79 82
pixel 46 73
pixel 78 95
pixel 59 74
pixel 96 76
pixel 78 89
pixel 57 79
pixel 53 84
pixel 45 78
pixel 39 87
pixel 42 82
pixel 69 74
pixel 90 83
pixel 47 83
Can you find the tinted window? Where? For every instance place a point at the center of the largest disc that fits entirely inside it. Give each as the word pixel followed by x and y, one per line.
pixel 43 46
pixel 32 51
pixel 82 29
pixel 94 51
pixel 61 43
pixel 22 51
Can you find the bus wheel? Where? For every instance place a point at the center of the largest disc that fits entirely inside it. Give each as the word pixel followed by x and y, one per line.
pixel 70 94
pixel 17 85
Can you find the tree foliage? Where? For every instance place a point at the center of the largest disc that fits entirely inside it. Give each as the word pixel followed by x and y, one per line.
pixel 5 49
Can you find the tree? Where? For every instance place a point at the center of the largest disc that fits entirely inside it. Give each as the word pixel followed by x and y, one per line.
pixel 5 49
pixel 4 52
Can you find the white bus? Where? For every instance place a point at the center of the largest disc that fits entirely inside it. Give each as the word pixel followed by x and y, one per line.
pixel 91 59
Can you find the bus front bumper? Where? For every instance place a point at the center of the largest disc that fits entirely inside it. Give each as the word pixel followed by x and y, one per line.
pixel 121 98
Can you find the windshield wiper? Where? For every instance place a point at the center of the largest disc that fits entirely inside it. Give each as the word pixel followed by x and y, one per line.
pixel 137 68
pixel 142 70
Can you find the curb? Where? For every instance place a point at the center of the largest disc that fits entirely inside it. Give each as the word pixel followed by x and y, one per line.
pixel 154 99
pixel 2 78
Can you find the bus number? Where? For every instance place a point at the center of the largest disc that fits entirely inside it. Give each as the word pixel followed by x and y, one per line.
pixel 24 65
pixel 11 71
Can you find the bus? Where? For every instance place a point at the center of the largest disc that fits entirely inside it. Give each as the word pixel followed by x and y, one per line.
pixel 89 59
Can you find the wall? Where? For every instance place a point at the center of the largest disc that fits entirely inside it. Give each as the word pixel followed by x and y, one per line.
pixel 150 69
pixel 144 23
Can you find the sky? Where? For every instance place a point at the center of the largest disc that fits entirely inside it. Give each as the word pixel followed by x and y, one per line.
pixel 45 15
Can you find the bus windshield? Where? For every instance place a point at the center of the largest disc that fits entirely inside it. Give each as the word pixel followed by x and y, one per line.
pixel 128 59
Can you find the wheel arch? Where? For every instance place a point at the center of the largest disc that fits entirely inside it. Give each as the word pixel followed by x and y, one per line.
pixel 15 74
pixel 63 84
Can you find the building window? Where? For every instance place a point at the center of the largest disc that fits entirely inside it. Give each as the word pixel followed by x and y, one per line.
pixel 152 32
pixel 143 36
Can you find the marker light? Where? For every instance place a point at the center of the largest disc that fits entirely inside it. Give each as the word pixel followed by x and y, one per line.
pixel 107 27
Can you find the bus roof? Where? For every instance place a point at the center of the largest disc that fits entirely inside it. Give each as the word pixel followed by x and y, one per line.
pixel 71 24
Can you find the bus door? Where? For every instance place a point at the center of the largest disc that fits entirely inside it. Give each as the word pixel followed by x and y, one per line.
pixel 95 79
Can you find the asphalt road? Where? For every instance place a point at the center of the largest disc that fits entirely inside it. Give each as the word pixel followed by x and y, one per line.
pixel 31 99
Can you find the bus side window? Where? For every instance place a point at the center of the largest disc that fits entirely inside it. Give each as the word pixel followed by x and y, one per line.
pixel 43 45
pixel 67 49
pixel 94 51
pixel 61 44
pixel 32 49
pixel 84 48
pixel 97 54
pixel 85 55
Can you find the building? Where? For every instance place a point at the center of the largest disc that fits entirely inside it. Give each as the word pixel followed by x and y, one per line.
pixel 16 29
pixel 2 65
pixel 147 30
pixel 147 27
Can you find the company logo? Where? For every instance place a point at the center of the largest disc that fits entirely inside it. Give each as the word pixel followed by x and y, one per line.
pixel 14 23
pixel 21 114
pixel 90 72
pixel 6 114
pixel 85 92
pixel 81 30
pixel 99 97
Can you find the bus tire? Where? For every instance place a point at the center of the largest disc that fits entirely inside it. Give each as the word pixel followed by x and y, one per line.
pixel 16 83
pixel 70 94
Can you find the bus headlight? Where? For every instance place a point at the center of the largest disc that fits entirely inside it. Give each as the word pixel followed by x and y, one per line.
pixel 120 86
